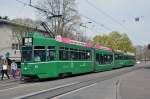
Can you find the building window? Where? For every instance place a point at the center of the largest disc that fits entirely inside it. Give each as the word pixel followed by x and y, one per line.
pixel 15 46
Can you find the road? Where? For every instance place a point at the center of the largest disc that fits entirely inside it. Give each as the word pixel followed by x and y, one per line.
pixel 104 85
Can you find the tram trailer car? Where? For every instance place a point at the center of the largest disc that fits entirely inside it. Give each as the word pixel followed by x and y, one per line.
pixel 129 59
pixel 48 58
pixel 103 60
pixel 119 59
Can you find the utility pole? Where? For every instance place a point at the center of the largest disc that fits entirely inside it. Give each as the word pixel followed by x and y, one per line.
pixel 117 83
pixel 149 51
pixel 30 2
pixel 85 26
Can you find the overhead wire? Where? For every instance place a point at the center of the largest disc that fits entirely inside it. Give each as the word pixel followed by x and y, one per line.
pixel 106 14
pixel 30 5
pixel 99 24
pixel 45 11
pixel 109 16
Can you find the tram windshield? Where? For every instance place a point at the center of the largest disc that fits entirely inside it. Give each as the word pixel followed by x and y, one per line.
pixel 26 54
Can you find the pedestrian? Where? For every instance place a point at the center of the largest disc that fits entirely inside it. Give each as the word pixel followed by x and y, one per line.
pixel 13 68
pixel 1 64
pixel 5 70
pixel 9 61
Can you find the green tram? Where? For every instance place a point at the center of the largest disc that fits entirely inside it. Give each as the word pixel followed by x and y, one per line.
pixel 44 57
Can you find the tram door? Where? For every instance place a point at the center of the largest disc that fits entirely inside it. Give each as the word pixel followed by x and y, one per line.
pixel 93 60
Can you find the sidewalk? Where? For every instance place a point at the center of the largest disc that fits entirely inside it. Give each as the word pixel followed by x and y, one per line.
pixel 136 85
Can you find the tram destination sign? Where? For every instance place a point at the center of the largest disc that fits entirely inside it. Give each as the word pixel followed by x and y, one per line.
pixel 27 41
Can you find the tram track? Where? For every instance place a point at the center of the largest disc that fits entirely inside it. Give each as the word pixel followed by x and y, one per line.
pixel 12 83
pixel 54 92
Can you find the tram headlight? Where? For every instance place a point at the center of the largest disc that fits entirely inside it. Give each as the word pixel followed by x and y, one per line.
pixel 27 41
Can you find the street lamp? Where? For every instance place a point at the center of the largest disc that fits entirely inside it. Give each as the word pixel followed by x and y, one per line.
pixel 85 26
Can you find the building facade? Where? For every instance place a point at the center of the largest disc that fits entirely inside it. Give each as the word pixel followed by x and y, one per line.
pixel 9 41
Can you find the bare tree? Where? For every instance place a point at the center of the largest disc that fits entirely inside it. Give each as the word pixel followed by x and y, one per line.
pixel 18 33
pixel 63 17
pixel 23 26
pixel 146 53
pixel 142 53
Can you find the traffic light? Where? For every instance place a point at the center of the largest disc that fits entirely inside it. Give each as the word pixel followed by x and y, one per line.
pixel 149 46
pixel 137 19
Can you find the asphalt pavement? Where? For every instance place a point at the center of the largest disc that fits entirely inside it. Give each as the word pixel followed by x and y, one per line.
pixel 132 85
pixel 136 85
pixel 125 83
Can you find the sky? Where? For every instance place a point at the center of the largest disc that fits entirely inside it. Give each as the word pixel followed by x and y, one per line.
pixel 115 15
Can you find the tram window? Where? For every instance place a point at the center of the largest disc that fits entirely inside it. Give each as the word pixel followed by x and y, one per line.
pixel 51 53
pixel 74 55
pixel 66 48
pixel 39 53
pixel 64 54
pixel 26 54
pixel 39 47
pixel 83 55
pixel 120 57
pixel 116 56
pixel 102 59
pixel 126 57
pixel 97 58
pixel 88 55
pixel 71 49
pixel 67 54
pixel 105 59
pixel 80 55
pixel 110 59
pixel 51 47
pixel 61 48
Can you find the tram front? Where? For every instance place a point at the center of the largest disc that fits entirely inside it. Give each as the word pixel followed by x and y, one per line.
pixel 27 70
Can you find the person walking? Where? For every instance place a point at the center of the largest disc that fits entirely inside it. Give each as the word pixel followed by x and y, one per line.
pixel 1 64
pixel 5 70
pixel 13 68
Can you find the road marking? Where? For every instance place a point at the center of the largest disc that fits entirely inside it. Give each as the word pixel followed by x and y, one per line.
pixel 2 85
pixel 19 86
pixel 6 81
pixel 74 91
pixel 38 92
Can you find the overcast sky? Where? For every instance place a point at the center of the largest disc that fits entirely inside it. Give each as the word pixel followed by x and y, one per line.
pixel 115 15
